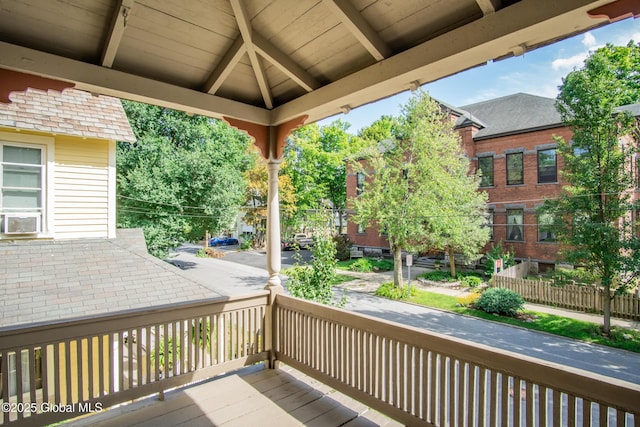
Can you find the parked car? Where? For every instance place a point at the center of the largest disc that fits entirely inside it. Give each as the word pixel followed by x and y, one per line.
pixel 223 241
pixel 298 241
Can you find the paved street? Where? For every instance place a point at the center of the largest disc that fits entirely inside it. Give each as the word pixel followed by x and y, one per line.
pixel 231 278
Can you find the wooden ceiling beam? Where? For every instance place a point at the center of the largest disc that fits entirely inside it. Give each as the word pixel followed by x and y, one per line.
pixel 528 22
pixel 359 27
pixel 116 30
pixel 94 78
pixel 225 66
pixel 246 32
pixel 486 6
pixel 283 62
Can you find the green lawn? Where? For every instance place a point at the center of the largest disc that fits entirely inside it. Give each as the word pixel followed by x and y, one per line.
pixel 341 278
pixel 370 264
pixel 627 339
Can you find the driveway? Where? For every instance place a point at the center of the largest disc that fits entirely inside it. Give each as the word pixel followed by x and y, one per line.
pixel 232 278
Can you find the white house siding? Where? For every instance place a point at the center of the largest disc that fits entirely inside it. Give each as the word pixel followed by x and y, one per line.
pixel 82 190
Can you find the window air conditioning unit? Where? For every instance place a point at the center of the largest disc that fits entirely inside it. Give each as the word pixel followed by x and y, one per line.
pixel 21 223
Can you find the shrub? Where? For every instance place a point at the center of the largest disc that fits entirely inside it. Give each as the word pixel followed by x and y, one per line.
pixel 343 246
pixel 500 301
pixel 314 282
pixel 363 265
pixel 565 276
pixel 389 290
pixel 498 252
pixel 437 276
pixel 468 300
pixel 471 281
pixel 382 264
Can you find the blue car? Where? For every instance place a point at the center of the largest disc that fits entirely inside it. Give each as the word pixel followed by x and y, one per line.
pixel 223 241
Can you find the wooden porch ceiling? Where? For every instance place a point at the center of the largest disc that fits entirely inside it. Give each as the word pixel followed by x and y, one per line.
pixel 269 61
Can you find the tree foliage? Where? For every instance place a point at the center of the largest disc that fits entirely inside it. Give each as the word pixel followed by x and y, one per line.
pixel 386 127
pixel 314 282
pixel 256 199
pixel 314 161
pixel 184 175
pixel 418 190
pixel 594 211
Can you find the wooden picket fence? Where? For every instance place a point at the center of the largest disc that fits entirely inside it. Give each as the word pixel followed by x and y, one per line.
pixel 574 297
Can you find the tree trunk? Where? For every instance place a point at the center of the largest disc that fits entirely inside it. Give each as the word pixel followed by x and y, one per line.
pixel 452 263
pixel 397 266
pixel 606 326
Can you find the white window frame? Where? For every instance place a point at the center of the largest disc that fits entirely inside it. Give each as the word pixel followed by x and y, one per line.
pixel 46 144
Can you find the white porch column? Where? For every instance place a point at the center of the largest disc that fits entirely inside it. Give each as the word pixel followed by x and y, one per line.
pixel 274 254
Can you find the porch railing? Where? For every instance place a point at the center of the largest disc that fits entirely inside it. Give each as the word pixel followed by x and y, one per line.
pixel 416 377
pixel 58 371
pixel 423 378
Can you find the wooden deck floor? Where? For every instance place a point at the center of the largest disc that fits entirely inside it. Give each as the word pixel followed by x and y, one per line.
pixel 250 397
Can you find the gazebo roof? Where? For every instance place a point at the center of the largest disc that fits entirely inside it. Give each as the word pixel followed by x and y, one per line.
pixel 270 61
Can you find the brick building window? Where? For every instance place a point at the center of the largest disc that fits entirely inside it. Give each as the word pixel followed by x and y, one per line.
pixel 485 165
pixel 546 228
pixel 515 169
pixel 515 227
pixel 361 229
pixel 359 183
pixel 489 223
pixel 547 166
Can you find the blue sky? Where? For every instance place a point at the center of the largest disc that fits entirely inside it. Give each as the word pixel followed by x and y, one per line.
pixel 538 72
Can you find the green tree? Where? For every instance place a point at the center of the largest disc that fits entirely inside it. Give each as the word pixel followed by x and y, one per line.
pixel 594 211
pixel 315 282
pixel 256 200
pixel 418 189
pixel 314 160
pixel 184 175
pixel 386 127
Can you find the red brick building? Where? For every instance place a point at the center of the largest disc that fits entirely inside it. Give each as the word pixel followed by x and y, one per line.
pixel 511 140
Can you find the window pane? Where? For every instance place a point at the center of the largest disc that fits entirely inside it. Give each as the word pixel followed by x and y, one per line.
pixel 489 224
pixel 21 176
pixel 30 156
pixel 547 165
pixel 514 225
pixel 485 164
pixel 514 169
pixel 546 229
pixel 23 199
pixel 360 183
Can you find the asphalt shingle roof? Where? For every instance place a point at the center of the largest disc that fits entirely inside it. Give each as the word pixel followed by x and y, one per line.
pixel 70 112
pixel 511 114
pixel 45 281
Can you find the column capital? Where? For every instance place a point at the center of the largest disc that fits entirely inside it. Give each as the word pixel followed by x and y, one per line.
pixel 617 10
pixel 270 140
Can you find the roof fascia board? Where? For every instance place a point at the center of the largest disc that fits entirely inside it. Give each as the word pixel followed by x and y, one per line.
pixel 518 132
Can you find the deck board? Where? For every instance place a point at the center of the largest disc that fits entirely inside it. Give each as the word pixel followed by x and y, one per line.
pixel 253 396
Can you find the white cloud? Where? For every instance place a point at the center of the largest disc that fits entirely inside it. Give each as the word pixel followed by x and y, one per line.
pixel 588 40
pixel 569 63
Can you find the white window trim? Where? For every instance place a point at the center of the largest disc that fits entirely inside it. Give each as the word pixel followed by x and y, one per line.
pixel 47 144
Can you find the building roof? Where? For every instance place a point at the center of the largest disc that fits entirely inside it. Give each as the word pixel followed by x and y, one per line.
pixel 70 112
pixel 511 114
pixel 45 281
